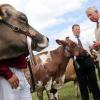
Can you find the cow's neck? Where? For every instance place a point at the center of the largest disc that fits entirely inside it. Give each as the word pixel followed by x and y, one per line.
pixel 59 55
pixel 63 60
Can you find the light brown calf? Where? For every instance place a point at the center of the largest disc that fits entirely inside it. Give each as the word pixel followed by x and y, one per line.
pixel 49 73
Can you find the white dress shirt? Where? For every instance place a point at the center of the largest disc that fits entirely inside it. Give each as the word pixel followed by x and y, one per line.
pixel 85 43
pixel 21 93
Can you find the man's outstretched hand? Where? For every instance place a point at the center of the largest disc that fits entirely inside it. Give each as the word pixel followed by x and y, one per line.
pixel 96 46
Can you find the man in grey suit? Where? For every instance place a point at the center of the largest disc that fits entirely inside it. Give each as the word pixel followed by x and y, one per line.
pixel 94 15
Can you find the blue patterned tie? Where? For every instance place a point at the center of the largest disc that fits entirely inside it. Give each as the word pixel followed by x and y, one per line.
pixel 79 41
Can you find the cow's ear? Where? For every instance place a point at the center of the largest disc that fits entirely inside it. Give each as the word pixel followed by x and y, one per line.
pixel 1 13
pixel 61 42
pixel 58 42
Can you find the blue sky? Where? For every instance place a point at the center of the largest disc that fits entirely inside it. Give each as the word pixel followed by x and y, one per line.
pixel 54 18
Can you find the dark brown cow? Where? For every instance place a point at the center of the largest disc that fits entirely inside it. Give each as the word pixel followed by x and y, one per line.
pixel 49 73
pixel 14 28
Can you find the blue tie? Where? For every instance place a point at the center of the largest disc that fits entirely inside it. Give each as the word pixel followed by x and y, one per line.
pixel 79 41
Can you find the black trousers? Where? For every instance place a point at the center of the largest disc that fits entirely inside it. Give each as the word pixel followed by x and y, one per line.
pixel 86 76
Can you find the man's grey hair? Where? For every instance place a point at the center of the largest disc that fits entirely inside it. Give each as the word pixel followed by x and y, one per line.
pixel 89 9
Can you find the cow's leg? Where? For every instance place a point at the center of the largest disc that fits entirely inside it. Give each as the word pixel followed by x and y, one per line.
pixel 76 88
pixel 50 95
pixel 40 89
pixel 55 93
pixel 40 94
pixel 48 88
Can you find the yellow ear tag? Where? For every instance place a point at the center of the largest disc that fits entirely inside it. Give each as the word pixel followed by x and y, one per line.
pixel 0 17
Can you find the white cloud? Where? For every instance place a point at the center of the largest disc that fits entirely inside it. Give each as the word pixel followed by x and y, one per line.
pixel 18 4
pixel 44 12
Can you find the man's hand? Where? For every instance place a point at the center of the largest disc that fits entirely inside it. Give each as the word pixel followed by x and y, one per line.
pixel 96 45
pixel 14 81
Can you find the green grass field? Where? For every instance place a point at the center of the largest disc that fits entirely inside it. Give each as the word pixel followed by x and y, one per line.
pixel 65 93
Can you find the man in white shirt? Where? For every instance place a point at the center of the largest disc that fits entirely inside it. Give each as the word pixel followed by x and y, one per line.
pixel 94 15
pixel 86 71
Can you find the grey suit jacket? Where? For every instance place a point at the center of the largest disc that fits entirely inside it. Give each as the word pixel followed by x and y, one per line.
pixel 97 35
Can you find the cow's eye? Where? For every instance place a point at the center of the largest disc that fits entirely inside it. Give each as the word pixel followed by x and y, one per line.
pixel 73 45
pixel 8 14
pixel 67 48
pixel 23 19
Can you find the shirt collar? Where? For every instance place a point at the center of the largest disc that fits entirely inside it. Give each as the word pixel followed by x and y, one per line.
pixel 76 36
pixel 99 21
